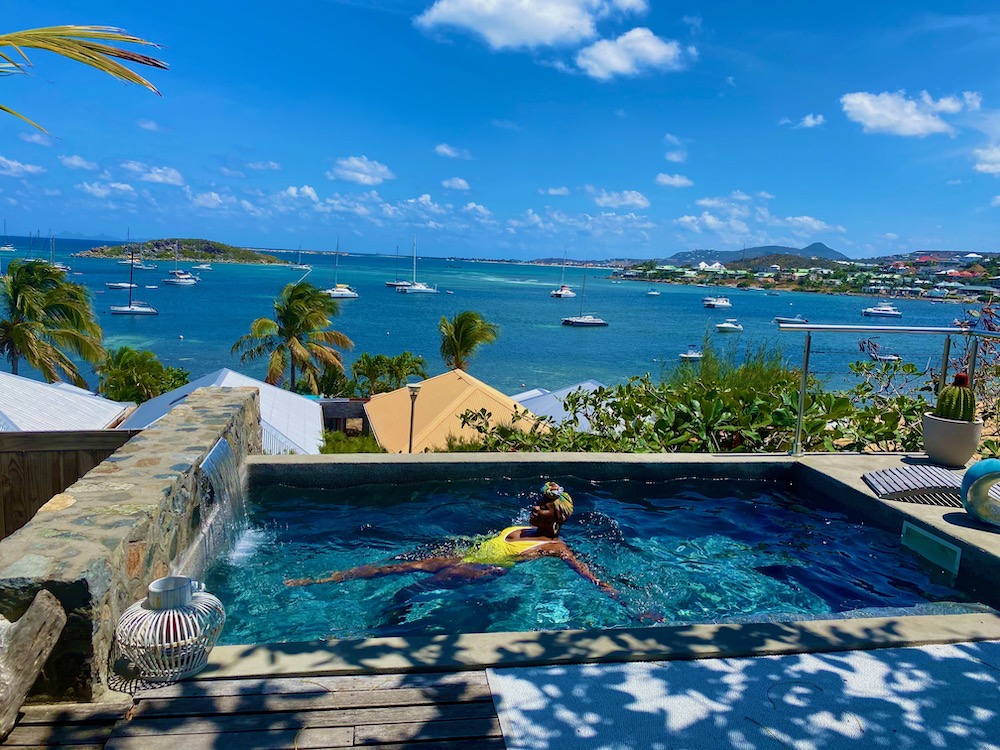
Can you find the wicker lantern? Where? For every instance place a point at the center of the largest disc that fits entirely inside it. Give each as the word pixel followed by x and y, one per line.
pixel 169 634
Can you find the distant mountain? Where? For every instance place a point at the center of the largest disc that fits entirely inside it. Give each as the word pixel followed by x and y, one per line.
pixel 693 257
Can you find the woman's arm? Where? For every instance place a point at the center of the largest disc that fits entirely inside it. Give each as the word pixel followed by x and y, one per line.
pixel 560 550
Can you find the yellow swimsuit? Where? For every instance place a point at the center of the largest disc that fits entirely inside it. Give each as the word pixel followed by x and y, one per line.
pixel 498 550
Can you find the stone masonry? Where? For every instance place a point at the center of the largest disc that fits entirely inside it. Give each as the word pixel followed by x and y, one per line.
pixel 97 545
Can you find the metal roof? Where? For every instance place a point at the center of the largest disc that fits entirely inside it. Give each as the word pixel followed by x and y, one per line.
pixel 28 405
pixel 550 404
pixel 291 423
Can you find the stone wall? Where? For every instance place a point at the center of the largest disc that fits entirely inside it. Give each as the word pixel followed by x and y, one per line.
pixel 97 545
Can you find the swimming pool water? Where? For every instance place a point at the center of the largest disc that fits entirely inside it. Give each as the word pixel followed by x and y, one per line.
pixel 690 552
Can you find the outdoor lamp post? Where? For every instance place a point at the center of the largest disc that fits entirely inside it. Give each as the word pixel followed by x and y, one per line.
pixel 414 389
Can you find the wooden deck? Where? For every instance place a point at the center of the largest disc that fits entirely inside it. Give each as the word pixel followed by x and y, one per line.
pixel 446 711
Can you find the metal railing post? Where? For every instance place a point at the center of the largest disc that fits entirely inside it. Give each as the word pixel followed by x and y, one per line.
pixel 943 380
pixel 797 443
pixel 973 356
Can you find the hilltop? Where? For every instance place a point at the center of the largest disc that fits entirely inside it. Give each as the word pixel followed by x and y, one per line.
pixel 182 249
pixel 782 260
pixel 815 250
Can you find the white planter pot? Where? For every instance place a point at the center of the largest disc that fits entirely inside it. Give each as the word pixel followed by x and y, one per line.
pixel 951 442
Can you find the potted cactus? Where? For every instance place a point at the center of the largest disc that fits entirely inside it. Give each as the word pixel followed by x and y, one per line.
pixel 951 431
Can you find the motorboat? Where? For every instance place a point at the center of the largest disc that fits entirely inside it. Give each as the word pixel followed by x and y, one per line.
pixel 772 293
pixel 693 354
pixel 203 267
pixel 786 319
pixel 563 292
pixel 718 303
pixel 342 291
pixel 398 283
pixel 181 278
pixel 882 310
pixel 119 285
pixel 653 293
pixel 730 326
pixel 584 321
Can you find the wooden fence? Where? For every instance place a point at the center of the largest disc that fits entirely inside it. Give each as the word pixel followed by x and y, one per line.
pixel 34 466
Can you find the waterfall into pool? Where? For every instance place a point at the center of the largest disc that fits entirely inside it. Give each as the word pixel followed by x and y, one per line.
pixel 221 490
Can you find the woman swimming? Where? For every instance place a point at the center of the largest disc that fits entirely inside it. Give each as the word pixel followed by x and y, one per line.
pixel 493 556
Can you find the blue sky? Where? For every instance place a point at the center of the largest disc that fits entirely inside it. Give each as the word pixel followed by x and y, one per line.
pixel 519 129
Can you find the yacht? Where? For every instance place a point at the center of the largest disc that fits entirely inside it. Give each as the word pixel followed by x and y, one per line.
pixel 6 247
pixel 730 326
pixel 653 293
pixel 181 278
pixel 416 287
pixel 134 306
pixel 203 267
pixel 563 292
pixel 584 321
pixel 786 319
pixel 882 310
pixel 119 285
pixel 693 354
pixel 341 291
pixel 717 302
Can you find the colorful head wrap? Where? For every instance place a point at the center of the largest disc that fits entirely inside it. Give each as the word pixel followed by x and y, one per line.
pixel 560 499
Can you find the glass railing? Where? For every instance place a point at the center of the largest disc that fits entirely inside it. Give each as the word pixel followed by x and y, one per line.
pixel 946 332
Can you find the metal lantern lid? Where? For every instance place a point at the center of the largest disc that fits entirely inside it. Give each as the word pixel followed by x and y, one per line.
pixel 169 634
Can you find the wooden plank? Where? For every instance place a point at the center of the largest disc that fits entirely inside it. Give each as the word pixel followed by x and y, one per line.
pixel 27 643
pixel 278 739
pixel 60 734
pixel 88 440
pixel 288 685
pixel 75 713
pixel 183 725
pixel 316 701
pixel 436 730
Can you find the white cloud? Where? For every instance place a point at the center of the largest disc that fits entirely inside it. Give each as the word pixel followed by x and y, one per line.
pixel 231 172
pixel 676 156
pixel 37 138
pixel 506 125
pixel 250 208
pixel 455 183
pixel 624 199
pixel 13 168
pixel 673 180
pixel 480 212
pixel 996 201
pixel 362 170
pixel 149 125
pixel 891 236
pixel 424 204
pixel 102 190
pixel 162 175
pixel 515 23
pixel 77 162
pixel 212 200
pixel 443 149
pixel 630 54
pixel 269 165
pixel 896 114
pixel 973 100
pixel 809 224
pixel 554 190
pixel 987 159
pixel 811 121
pixel 303 192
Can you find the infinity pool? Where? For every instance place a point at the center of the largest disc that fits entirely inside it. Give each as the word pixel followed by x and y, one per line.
pixel 678 551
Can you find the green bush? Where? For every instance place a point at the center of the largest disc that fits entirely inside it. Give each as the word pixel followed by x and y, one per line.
pixel 338 442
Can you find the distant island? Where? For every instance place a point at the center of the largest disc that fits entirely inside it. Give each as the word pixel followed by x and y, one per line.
pixel 183 250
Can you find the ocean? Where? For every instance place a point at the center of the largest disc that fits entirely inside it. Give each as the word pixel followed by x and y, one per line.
pixel 198 325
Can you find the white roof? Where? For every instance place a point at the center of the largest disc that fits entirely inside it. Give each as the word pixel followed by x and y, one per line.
pixel 28 405
pixel 551 403
pixel 290 422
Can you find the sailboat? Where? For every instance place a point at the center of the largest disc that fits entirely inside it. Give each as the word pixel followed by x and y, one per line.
pixel 178 277
pixel 581 320
pixel 563 291
pixel 6 247
pixel 52 256
pixel 416 287
pixel 398 282
pixel 134 306
pixel 299 265
pixel 340 291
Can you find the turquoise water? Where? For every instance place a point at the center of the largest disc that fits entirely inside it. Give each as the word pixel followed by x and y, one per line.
pixel 687 552
pixel 197 325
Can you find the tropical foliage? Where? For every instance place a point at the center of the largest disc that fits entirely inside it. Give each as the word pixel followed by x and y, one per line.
pixel 338 442
pixel 297 339
pixel 44 319
pixel 83 44
pixel 380 373
pixel 127 374
pixel 462 335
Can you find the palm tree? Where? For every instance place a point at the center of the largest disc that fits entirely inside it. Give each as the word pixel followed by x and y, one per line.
pixel 379 373
pixel 130 375
pixel 83 44
pixel 297 337
pixel 41 313
pixel 462 335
